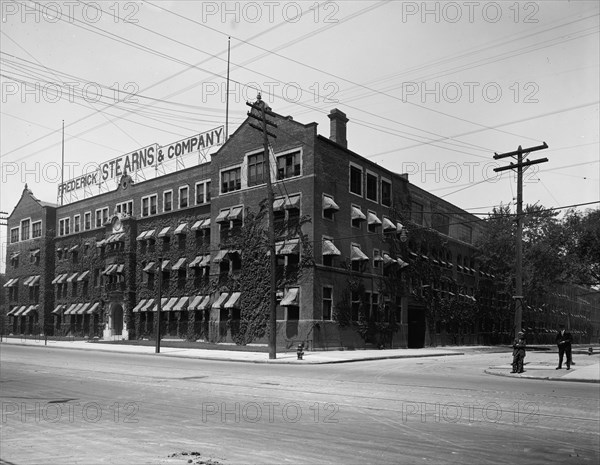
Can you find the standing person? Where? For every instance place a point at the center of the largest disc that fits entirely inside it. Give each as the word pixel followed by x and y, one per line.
pixel 563 341
pixel 518 353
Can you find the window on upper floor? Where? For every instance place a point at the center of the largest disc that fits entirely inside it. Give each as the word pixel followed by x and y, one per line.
pixel 202 192
pixel 288 165
pixel 76 223
pixel 386 193
pixel 372 188
pixel 87 220
pixel 184 196
pixel 14 235
pixel 327 302
pixel 125 208
pixel 99 218
pixel 36 229
pixel 356 181
pixel 105 215
pixel 441 223
pixel 64 226
pixel 416 212
pixel 256 169
pixel 329 207
pixel 231 180
pixel 167 201
pixel 25 226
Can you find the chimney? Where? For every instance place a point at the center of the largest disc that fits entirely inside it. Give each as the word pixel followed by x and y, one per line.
pixel 338 127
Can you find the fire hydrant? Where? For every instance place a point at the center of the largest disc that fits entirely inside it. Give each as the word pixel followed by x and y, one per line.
pixel 300 351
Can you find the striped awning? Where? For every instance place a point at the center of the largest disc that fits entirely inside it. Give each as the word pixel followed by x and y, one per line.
pixel 92 308
pixel 181 228
pixel 181 304
pixel 140 305
pixel 201 224
pixel 13 310
pixel 221 300
pixel 21 309
pixel 71 278
pixel 170 304
pixel 234 300
pixel 59 308
pixel 35 281
pixel 180 264
pixel 83 275
pixel 164 231
pixel 163 302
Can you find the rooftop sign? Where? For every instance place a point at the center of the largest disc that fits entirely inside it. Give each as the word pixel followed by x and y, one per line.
pixel 152 156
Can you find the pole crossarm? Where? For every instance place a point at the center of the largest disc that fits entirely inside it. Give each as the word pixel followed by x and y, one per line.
pixel 518 166
pixel 520 151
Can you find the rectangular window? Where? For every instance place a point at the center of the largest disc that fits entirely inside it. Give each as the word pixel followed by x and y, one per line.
pixel 372 187
pixel 76 223
pixel 98 218
pixel 184 193
pixel 416 212
pixel 36 229
pixel 256 169
pixel 64 226
pixel 154 204
pixel 377 259
pixel 14 235
pixel 464 233
pixel 25 225
pixel 87 220
pixel 145 206
pixel 167 201
pixel 231 180
pixel 356 180
pixel 440 223
pixel 327 303
pixel 125 208
pixel 202 192
pixel 288 165
pixel 386 193
pixel 105 215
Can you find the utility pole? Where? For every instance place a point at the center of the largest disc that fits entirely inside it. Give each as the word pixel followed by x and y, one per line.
pixel 518 155
pixel 261 114
pixel 158 306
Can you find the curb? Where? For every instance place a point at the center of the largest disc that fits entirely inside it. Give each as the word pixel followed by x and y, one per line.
pixel 266 361
pixel 544 378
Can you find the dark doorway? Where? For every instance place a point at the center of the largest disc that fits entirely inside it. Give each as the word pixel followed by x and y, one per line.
pixel 117 320
pixel 416 327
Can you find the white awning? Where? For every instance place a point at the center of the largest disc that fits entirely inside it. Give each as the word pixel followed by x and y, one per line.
pixel 26 282
pixel 357 214
pixel 149 234
pixel 329 204
pixel 83 275
pixel 388 225
pixel 290 247
pixel 221 300
pixel 357 254
pixel 71 278
pixel 291 297
pixel 10 281
pixel 58 309
pixel 181 228
pixel 278 204
pixel 233 301
pixel 329 248
pixel 35 281
pixel 165 265
pixel 141 236
pixel 372 219
pixel 293 201
pixel 220 256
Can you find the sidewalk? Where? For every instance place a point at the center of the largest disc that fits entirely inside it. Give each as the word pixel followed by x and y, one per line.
pixel 316 357
pixel 542 365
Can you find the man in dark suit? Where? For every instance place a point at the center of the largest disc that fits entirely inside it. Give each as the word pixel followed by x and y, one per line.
pixel 563 341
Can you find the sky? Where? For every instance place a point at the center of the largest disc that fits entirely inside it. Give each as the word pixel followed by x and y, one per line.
pixel 432 89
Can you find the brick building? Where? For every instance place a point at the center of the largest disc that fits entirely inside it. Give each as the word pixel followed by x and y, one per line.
pixel 362 254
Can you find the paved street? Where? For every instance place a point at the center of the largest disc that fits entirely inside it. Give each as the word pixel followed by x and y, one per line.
pixel 89 407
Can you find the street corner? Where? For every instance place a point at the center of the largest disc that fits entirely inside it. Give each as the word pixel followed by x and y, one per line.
pixel 589 373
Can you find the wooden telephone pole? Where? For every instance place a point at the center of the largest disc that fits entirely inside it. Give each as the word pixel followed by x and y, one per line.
pixel 260 113
pixel 518 155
